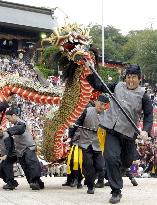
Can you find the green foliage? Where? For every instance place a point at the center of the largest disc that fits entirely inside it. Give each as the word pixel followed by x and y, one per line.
pixel 45 71
pixel 109 72
pixel 113 41
pixel 141 48
pixel 48 67
pixel 96 33
pixel 47 57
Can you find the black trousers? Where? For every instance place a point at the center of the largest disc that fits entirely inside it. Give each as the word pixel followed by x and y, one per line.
pixel 102 175
pixel 30 165
pixel 119 154
pixel 93 162
pixel 6 169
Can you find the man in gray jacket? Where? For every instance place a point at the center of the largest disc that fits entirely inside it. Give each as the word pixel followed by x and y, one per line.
pixel 25 149
pixel 120 141
pixel 93 161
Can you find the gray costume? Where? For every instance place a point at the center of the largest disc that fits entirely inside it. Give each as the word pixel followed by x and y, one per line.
pixel 131 101
pixel 25 148
pixel 92 120
pixel 93 161
pixel 120 148
pixel 23 140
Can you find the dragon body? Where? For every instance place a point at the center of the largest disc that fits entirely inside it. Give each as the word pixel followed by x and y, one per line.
pixel 73 42
pixel 78 94
pixel 28 90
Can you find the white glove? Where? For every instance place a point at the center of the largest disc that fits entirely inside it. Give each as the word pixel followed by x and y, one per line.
pixel 144 135
pixel 3 158
pixel 72 125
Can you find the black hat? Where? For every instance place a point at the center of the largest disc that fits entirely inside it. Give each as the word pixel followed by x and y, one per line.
pixel 103 98
pixel 133 69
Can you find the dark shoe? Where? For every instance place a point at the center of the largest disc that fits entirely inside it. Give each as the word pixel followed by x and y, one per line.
pixel 85 182
pixel 34 186
pixel 115 198
pixel 74 183
pixel 9 186
pixel 66 184
pixel 79 186
pixel 107 184
pixel 41 184
pixel 56 174
pixel 134 182
pixel 90 191
pixel 15 183
pixel 99 185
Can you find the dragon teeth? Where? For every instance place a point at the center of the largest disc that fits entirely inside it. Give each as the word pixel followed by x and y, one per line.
pixel 71 39
pixel 61 48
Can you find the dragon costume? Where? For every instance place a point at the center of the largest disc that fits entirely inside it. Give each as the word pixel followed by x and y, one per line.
pixel 73 43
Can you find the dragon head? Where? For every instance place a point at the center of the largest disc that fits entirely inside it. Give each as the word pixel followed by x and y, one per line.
pixel 72 39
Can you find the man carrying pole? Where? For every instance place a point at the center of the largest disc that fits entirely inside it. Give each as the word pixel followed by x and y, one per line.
pixel 120 121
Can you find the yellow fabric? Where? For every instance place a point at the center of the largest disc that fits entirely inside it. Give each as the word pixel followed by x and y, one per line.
pixel 75 155
pixel 101 133
pixel 80 158
pixel 76 158
pixel 69 159
pixel 153 169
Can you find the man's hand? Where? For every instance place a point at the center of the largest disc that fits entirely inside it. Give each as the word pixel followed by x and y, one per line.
pixel 2 129
pixel 144 135
pixel 3 158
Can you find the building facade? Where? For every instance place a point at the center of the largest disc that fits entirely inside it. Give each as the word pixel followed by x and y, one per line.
pixel 22 28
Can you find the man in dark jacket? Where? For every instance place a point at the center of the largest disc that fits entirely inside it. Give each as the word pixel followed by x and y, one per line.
pixel 3 106
pixel 25 149
pixel 8 158
pixel 7 152
pixel 120 141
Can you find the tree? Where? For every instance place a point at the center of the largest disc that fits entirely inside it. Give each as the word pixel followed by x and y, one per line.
pixel 48 67
pixel 141 48
pixel 105 73
pixel 113 41
pixel 96 32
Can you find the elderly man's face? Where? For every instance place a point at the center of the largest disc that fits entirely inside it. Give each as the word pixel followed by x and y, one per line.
pixel 100 106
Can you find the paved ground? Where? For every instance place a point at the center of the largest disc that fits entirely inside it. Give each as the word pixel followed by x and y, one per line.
pixel 55 194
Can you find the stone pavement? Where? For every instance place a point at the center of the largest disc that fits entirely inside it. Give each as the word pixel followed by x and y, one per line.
pixel 55 194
